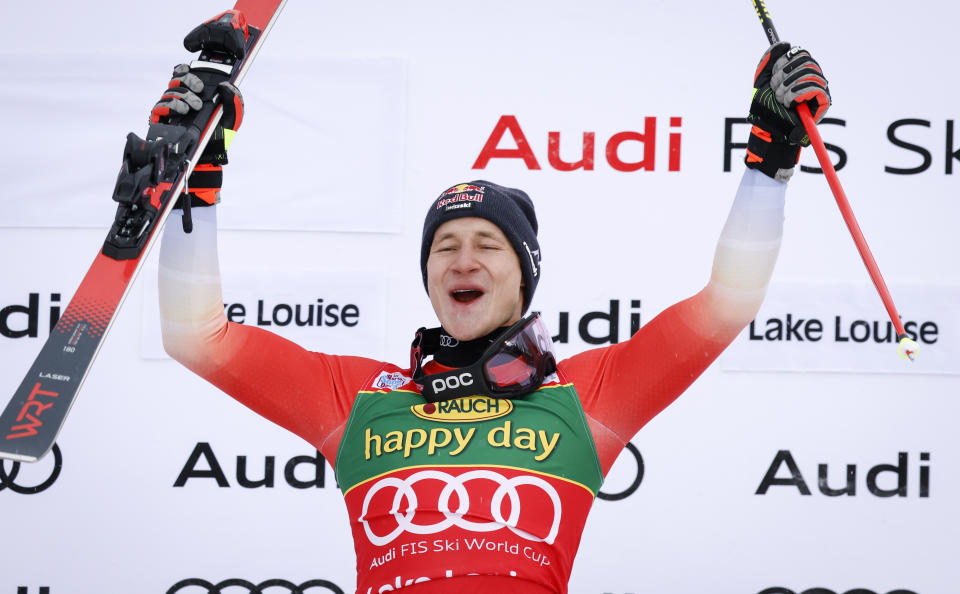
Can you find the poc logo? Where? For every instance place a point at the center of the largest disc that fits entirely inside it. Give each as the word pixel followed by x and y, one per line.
pixel 452 382
pixel 780 590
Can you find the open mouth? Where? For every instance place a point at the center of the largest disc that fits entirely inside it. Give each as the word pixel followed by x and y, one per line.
pixel 466 295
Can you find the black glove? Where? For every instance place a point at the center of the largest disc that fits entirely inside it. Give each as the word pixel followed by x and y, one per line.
pixel 785 77
pixel 181 100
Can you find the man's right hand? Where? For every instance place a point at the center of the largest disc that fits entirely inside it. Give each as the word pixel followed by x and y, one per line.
pixel 785 77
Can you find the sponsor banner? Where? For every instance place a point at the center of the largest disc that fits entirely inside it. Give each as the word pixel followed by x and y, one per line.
pixel 342 313
pixel 908 475
pixel 203 467
pixel 809 327
pixel 270 183
pixel 28 313
pixel 578 324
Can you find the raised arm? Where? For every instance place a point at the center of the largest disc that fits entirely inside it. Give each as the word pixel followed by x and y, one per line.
pixel 624 386
pixel 305 392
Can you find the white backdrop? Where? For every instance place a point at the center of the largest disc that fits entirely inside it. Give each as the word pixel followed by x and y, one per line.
pixel 358 114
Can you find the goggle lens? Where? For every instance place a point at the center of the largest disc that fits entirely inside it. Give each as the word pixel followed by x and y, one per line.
pixel 522 361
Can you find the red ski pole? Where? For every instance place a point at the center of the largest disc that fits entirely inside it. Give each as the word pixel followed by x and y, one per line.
pixel 906 347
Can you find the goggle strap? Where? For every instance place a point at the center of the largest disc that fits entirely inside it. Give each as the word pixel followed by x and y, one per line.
pixel 416 355
pixel 455 383
pixel 464 381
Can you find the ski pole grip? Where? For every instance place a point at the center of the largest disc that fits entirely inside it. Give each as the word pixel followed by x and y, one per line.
pixel 225 33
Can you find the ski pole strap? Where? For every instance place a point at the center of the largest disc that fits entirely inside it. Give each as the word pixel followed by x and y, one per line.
pixel 203 189
pixel 775 159
pixel 204 184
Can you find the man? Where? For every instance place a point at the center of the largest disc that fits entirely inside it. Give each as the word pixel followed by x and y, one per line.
pixel 475 469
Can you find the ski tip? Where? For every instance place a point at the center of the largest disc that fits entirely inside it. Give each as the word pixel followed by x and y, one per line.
pixel 18 457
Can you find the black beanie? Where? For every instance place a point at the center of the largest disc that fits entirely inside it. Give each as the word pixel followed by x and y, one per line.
pixel 509 209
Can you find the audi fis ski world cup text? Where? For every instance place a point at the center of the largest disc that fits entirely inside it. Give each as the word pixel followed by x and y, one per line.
pixel 509 141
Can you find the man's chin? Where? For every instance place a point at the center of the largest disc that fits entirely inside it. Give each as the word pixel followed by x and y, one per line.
pixel 464 332
pixel 467 326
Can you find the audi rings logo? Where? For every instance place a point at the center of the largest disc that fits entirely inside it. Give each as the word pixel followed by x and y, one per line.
pixel 781 590
pixel 448 341
pixel 636 481
pixel 29 485
pixel 231 586
pixel 457 484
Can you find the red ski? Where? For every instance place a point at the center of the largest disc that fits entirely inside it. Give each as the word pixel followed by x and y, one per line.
pixel 151 178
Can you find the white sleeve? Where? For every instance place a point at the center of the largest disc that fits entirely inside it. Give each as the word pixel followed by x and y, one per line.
pixel 191 302
pixel 748 248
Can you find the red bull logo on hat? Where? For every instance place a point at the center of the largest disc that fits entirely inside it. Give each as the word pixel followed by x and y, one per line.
pixel 463 188
pixel 461 193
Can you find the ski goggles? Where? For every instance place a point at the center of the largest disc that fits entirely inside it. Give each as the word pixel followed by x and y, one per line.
pixel 513 365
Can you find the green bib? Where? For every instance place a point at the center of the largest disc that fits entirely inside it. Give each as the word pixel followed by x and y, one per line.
pixel 544 432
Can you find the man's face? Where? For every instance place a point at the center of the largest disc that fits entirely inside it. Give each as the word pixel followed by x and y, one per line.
pixel 473 278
